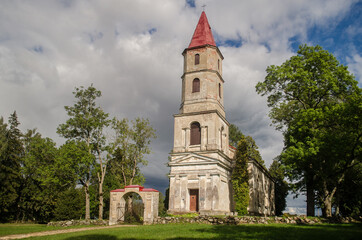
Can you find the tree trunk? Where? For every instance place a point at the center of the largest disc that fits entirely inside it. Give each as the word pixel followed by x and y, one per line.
pixel 327 210
pixel 87 205
pixel 310 197
pixel 100 213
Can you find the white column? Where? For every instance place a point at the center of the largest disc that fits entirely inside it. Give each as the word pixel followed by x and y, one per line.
pixel 187 138
pixel 203 137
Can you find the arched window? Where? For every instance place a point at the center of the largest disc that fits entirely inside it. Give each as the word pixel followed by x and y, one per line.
pixel 196 85
pixel 220 90
pixel 197 59
pixel 195 134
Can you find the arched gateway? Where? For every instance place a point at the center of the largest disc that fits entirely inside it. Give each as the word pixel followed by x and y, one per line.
pixel 149 197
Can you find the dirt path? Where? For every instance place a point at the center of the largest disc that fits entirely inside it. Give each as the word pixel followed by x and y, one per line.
pixel 54 232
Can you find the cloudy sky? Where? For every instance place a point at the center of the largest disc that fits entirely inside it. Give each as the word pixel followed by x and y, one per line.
pixel 131 51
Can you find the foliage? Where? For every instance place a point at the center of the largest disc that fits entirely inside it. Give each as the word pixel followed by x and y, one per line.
pixel 162 210
pixel 70 204
pixel 281 186
pixel 240 178
pixel 43 178
pixel 11 151
pixel 129 146
pixel 235 135
pixel 349 194
pixel 315 101
pixel 85 124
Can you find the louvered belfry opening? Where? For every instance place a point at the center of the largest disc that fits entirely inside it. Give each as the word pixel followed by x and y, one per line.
pixel 195 134
pixel 196 85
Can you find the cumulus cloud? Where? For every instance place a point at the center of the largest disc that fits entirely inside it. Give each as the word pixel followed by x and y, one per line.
pixel 131 51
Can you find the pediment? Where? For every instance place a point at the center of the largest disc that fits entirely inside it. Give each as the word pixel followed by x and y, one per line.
pixel 193 158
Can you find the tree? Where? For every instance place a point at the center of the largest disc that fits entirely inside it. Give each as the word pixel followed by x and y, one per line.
pixel 281 186
pixel 129 146
pixel 70 204
pixel 235 135
pixel 43 178
pixel 240 177
pixel 311 97
pixel 349 195
pixel 11 152
pixel 86 124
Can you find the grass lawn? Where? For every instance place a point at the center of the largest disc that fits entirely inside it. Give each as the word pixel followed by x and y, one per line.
pixel 13 228
pixel 202 231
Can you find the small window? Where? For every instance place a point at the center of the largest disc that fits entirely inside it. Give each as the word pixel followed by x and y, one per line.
pixel 220 90
pixel 218 64
pixel 196 85
pixel 195 134
pixel 197 59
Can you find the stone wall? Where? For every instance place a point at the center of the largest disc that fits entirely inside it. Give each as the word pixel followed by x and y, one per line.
pixel 236 220
pixel 261 190
pixel 68 223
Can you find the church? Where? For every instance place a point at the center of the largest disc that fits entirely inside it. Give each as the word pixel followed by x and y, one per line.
pixel 201 159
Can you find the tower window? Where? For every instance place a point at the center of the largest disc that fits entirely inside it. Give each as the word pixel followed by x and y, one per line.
pixel 195 134
pixel 218 64
pixel 197 59
pixel 220 90
pixel 196 85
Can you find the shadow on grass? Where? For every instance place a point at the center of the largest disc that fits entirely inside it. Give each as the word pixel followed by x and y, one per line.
pixel 93 237
pixel 282 231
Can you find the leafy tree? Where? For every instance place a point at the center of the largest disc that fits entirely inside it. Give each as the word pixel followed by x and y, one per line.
pixel 11 151
pixel 43 180
pixel 75 156
pixel 70 204
pixel 129 147
pixel 349 194
pixel 240 177
pixel 86 124
pixel 234 137
pixel 281 186
pixel 315 102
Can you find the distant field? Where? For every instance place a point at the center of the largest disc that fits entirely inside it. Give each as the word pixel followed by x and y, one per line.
pixel 202 231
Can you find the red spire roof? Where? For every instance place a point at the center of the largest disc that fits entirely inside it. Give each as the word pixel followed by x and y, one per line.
pixel 202 34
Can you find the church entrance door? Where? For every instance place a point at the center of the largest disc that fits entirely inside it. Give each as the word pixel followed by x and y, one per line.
pixel 194 200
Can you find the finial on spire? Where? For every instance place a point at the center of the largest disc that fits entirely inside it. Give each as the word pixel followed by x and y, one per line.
pixel 203 7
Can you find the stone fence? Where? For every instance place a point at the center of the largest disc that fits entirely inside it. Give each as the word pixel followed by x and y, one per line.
pixel 69 223
pixel 235 220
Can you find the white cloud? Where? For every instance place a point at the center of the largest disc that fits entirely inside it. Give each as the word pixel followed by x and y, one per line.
pixel 49 47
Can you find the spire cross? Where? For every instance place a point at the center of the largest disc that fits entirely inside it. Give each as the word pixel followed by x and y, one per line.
pixel 203 7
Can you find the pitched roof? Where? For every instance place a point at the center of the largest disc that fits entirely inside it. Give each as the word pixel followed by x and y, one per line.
pixel 202 34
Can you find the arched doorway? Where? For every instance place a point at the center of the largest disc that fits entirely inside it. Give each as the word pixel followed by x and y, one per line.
pixel 134 208
pixel 129 203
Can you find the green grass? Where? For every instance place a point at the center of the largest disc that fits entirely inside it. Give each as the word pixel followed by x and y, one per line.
pixel 202 231
pixel 13 228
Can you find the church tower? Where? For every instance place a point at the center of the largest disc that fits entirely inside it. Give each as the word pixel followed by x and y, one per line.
pixel 201 157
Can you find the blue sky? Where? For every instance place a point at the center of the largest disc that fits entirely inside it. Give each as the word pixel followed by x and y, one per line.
pixel 128 49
